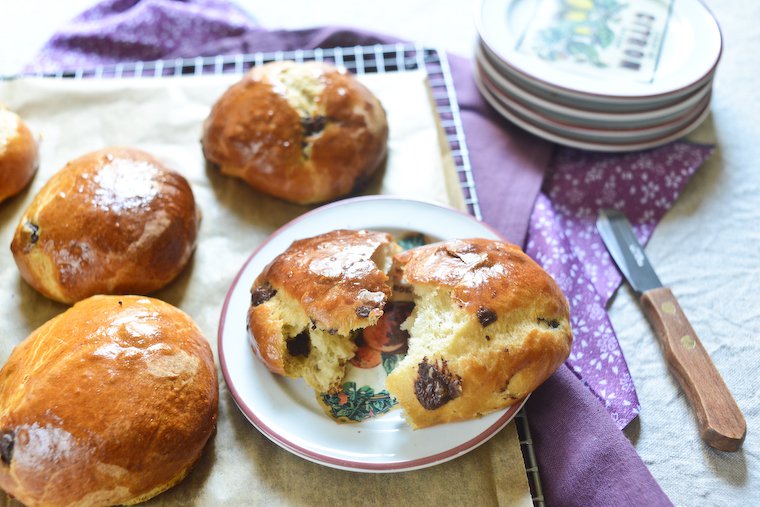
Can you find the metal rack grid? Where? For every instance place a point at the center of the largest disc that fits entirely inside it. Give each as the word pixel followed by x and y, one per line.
pixel 379 58
pixel 358 59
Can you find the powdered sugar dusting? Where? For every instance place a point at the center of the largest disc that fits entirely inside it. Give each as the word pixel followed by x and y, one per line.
pixel 125 185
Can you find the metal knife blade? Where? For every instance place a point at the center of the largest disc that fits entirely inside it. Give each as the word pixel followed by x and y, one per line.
pixel 721 422
pixel 618 237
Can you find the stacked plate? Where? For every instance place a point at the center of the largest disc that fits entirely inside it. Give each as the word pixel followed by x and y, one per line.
pixel 607 75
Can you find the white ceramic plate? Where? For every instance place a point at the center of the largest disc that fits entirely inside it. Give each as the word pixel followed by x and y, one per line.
pixel 690 50
pixel 585 117
pixel 596 103
pixel 286 411
pixel 613 146
pixel 620 134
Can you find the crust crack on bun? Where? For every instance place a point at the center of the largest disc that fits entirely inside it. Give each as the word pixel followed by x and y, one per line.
pixel 303 132
pixel 109 403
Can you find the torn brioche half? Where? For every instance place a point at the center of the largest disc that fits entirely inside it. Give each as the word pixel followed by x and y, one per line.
pixel 488 327
pixel 309 302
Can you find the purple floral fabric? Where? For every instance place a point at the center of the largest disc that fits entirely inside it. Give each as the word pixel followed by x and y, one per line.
pixel 562 237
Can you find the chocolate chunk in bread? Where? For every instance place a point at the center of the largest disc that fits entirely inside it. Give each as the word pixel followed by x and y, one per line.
pixel 435 384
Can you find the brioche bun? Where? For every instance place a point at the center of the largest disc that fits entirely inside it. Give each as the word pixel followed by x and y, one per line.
pixel 109 403
pixel 303 132
pixel 115 221
pixel 19 155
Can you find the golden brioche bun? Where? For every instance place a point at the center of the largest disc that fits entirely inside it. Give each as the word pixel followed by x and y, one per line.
pixel 308 301
pixel 114 221
pixel 488 327
pixel 303 132
pixel 109 403
pixel 19 155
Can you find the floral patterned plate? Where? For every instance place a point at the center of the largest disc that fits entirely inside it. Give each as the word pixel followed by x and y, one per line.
pixel 287 411
pixel 605 51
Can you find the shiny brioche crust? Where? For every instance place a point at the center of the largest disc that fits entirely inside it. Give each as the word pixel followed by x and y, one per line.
pixel 253 133
pixel 517 330
pixel 114 221
pixel 19 158
pixel 111 402
pixel 334 279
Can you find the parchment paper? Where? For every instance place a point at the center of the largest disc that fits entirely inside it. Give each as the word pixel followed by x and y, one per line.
pixel 164 116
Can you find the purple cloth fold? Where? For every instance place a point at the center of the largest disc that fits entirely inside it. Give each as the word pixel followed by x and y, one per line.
pixel 583 457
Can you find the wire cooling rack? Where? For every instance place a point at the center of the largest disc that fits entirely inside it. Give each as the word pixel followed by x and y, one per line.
pixel 379 58
pixel 358 59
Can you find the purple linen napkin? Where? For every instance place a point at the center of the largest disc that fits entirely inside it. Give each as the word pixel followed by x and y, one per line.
pixel 562 237
pixel 595 465
pixel 584 459
pixel 126 30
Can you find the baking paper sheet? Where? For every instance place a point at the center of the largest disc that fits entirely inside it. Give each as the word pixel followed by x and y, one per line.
pixel 164 116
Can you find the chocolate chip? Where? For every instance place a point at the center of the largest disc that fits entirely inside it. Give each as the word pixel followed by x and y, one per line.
pixel 262 294
pixel 313 125
pixel 554 323
pixel 363 311
pixel 6 446
pixel 35 236
pixel 436 385
pixel 300 345
pixel 357 335
pixel 488 338
pixel 486 316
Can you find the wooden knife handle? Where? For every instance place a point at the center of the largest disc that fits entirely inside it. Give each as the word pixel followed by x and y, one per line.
pixel 721 423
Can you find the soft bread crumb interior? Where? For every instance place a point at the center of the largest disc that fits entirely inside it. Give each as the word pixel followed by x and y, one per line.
pixel 301 87
pixel 439 328
pixel 433 324
pixel 324 368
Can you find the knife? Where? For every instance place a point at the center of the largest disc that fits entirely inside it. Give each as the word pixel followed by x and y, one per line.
pixel 721 423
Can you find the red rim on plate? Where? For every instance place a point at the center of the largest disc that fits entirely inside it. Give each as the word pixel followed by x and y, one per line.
pixel 585 145
pixel 325 459
pixel 622 134
pixel 578 114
